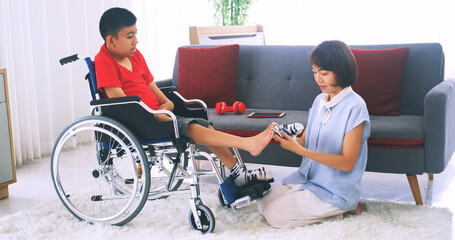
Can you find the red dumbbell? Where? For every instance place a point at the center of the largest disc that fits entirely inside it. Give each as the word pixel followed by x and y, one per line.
pixel 238 108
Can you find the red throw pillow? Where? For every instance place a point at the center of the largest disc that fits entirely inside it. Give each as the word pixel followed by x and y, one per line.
pixel 209 74
pixel 380 78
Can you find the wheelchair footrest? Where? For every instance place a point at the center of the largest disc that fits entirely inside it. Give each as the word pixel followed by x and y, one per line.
pixel 241 197
pixel 255 191
pixel 229 190
pixel 248 194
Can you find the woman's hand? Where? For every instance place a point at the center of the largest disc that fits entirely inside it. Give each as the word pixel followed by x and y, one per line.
pixel 288 142
pixel 345 161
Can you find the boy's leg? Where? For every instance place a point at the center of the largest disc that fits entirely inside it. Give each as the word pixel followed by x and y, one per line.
pixel 218 142
pixel 241 175
pixel 224 155
pixel 212 138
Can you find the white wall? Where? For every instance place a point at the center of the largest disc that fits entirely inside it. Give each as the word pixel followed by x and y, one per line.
pixel 359 22
pixel 297 22
pixel 163 27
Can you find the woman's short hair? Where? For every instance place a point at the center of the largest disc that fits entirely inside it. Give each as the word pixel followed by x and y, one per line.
pixel 336 56
pixel 114 19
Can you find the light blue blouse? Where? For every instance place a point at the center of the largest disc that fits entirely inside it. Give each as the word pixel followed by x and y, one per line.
pixel 328 122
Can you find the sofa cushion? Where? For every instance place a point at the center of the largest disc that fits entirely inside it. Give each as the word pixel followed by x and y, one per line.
pixel 241 125
pixel 404 131
pixel 276 77
pixel 231 121
pixel 209 73
pixel 380 78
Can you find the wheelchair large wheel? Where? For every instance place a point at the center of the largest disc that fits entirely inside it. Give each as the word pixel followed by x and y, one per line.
pixel 94 170
pixel 205 216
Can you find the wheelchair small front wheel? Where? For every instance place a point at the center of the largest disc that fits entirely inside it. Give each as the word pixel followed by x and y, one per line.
pixel 94 168
pixel 205 216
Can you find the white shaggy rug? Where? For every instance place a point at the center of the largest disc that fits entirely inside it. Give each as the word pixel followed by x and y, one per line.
pixel 168 219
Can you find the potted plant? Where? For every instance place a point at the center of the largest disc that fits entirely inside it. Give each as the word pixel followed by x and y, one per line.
pixel 232 16
pixel 231 12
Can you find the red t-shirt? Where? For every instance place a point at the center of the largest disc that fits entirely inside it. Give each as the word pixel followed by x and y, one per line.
pixel 111 74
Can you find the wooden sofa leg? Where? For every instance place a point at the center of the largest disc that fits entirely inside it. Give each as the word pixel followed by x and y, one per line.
pixel 430 176
pixel 414 184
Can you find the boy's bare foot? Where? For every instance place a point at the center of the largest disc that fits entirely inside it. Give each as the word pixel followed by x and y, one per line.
pixel 360 209
pixel 260 141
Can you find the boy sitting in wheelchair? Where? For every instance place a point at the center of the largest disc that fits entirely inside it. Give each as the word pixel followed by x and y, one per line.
pixel 121 71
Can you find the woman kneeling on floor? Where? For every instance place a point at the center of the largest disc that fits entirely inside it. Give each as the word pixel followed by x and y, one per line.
pixel 333 147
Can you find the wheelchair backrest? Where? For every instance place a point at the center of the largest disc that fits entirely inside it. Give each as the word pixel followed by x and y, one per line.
pixel 140 122
pixel 91 78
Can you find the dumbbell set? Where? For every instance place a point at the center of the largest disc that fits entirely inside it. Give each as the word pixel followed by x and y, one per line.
pixel 238 108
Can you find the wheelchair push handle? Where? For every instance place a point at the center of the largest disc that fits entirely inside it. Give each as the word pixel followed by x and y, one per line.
pixel 69 59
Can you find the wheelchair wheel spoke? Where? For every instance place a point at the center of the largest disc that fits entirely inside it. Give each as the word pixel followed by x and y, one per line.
pixel 91 162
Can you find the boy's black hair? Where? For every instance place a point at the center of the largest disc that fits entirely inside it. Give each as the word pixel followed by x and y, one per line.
pixel 114 19
pixel 337 57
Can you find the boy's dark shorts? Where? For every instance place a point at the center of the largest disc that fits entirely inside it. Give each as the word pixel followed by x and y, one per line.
pixel 183 123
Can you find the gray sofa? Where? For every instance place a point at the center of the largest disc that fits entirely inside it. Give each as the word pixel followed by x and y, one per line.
pixel 279 78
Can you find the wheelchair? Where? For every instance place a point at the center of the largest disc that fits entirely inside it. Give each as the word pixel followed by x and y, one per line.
pixel 107 165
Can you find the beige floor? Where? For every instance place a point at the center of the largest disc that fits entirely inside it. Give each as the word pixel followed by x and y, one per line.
pixel 34 186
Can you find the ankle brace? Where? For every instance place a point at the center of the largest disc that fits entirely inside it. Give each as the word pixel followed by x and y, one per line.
pixel 235 169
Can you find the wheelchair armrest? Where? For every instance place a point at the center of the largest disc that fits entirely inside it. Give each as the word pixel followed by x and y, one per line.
pixel 168 89
pixel 192 101
pixel 138 117
pixel 172 90
pixel 164 83
pixel 180 104
pixel 118 100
